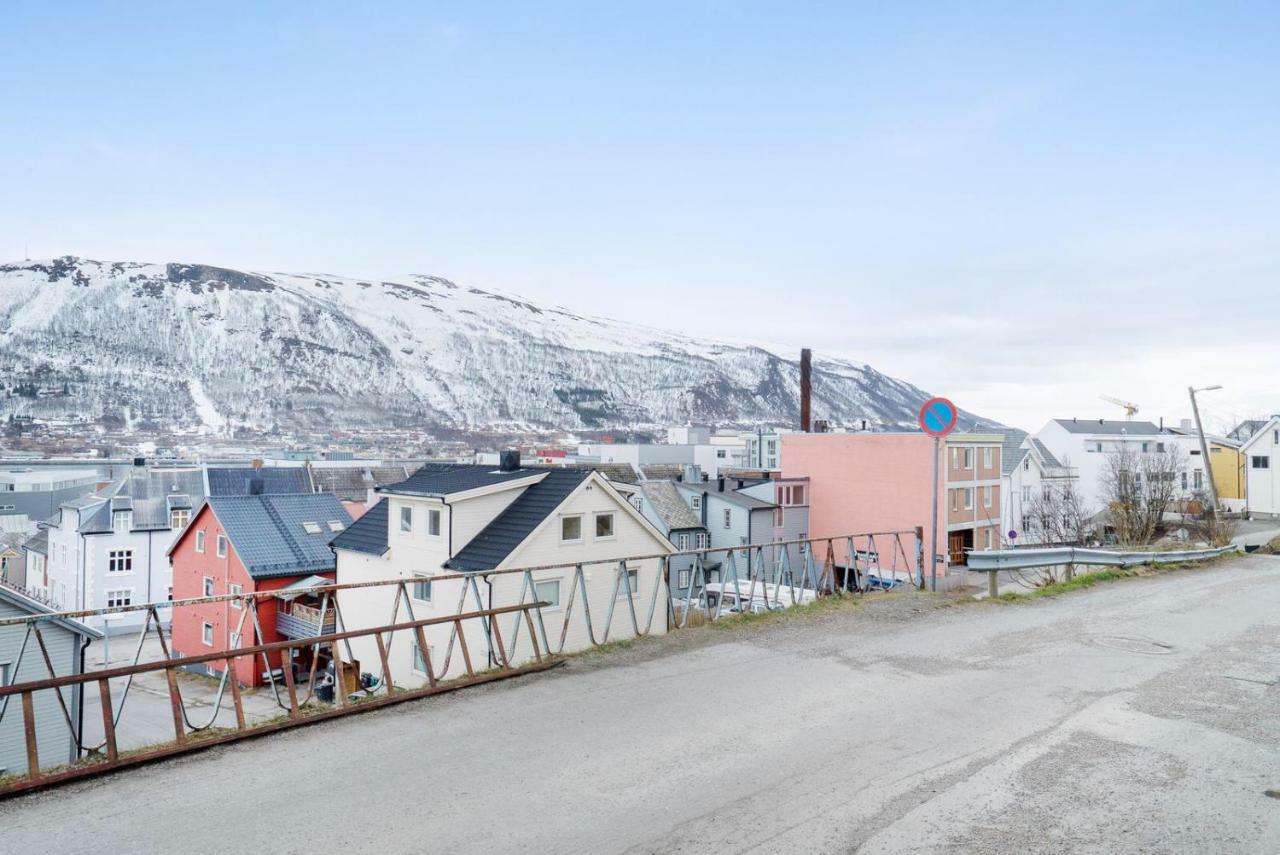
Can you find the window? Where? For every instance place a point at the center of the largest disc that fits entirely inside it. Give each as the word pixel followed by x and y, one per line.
pixel 637 503
pixel 1026 464
pixel 120 520
pixel 682 542
pixel 720 453
pixel 1184 480
pixel 235 639
pixel 222 546
pixel 208 586
pixel 311 527
pixel 236 590
pixel 406 520
pixel 570 529
pixel 1260 461
pixel 701 540
pixel 1026 495
pixel 433 523
pixel 986 498
pixel 547 592
pixel 171 593
pixel 1146 447
pixel 633 578
pixel 422 589
pixel 955 500
pixel 419 662
pixel 695 502
pixel 200 541
pixel 1198 479
pixel 728 518
pixel 1159 448
pixel 986 458
pixel 968 498
pixel 604 525
pixel 206 634
pixel 683 580
pixel 967 454
pixel 122 597
pixel 120 561
pixel 1097 446
pixel 4 673
pixel 336 525
pixel 1046 493
pixel 986 539
pixel 178 519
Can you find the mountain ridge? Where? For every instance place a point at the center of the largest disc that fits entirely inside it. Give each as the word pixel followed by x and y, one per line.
pixel 180 344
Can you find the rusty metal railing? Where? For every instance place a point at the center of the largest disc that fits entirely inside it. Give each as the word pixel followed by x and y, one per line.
pixel 752 577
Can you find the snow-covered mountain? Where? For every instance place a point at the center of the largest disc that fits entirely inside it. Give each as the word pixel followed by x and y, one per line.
pixel 181 344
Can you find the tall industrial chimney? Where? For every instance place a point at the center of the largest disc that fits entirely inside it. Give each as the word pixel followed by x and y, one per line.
pixel 806 388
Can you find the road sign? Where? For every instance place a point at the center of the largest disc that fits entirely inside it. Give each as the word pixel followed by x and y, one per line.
pixel 938 417
pixel 1013 535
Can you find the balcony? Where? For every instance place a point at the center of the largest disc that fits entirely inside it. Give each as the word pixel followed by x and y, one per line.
pixel 295 620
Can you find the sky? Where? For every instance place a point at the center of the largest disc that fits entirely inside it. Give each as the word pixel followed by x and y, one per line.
pixel 1020 208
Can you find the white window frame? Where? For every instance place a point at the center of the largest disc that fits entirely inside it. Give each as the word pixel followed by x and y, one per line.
pixel 682 541
pixel 539 597
pixel 222 546
pixel 633 573
pixel 986 538
pixel 208 587
pixel 200 541
pixel 406 520
pixel 119 561
pixel 179 513
pixel 206 633
pixel 236 590
pixel 116 600
pixel 565 521
pixel 986 458
pixel 433 522
pixel 417 658
pixel 419 580
pixel 4 672
pixel 728 517
pixel 613 528
pixel 986 497
pixel 968 498
pixel 695 502
pixel 702 539
pixel 683 579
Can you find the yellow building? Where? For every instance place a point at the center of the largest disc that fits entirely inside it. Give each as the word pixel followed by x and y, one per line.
pixel 1227 465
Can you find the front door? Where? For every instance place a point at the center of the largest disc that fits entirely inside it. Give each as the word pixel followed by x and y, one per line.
pixel 955 548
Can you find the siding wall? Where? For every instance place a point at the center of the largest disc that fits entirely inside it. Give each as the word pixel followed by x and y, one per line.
pixel 52 736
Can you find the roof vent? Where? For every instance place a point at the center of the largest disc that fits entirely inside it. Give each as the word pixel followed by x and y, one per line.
pixel 509 460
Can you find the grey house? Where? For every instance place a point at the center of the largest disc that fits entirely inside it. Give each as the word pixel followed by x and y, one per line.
pixel 662 504
pixel 730 517
pixel 66 641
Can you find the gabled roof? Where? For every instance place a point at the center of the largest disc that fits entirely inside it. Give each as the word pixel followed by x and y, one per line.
pixel 509 529
pixel 353 482
pixel 670 505
pixel 1246 429
pixel 1108 427
pixel 1045 454
pixel 38 542
pixel 1272 424
pixel 367 534
pixel 236 481
pixel 661 471
pixel 22 602
pixel 1011 450
pixel 268 535
pixel 443 479
pixel 148 493
pixel 733 497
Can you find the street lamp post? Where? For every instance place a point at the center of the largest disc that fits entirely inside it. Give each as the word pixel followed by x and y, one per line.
pixel 1204 446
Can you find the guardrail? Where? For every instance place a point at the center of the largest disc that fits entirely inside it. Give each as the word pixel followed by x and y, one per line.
pixel 708 584
pixel 992 562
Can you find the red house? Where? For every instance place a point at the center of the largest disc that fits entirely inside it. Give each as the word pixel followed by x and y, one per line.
pixel 244 545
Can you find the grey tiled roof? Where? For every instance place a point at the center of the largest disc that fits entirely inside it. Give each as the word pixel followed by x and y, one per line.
pixel 367 534
pixel 661 471
pixel 1011 450
pixel 670 505
pixel 1107 426
pixel 442 479
pixel 1045 453
pixel 731 496
pixel 150 493
pixel 38 542
pixel 509 529
pixel 352 483
pixel 236 480
pixel 267 531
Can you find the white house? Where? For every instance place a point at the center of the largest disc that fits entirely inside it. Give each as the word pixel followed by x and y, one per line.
pixel 1028 469
pixel 1261 457
pixel 1086 443
pixel 448 519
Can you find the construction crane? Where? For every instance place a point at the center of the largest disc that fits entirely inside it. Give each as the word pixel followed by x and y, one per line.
pixel 1130 408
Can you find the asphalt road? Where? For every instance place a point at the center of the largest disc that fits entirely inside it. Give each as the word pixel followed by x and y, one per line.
pixel 1138 716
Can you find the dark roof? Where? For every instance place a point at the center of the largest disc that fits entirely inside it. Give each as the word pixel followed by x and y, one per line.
pixel 352 483
pixel 38 542
pixel 268 535
pixel 235 481
pixel 150 493
pixel 670 505
pixel 1246 429
pixel 1110 427
pixel 731 496
pixel 509 529
pixel 367 534
pixel 619 473
pixel 442 479
pixel 658 471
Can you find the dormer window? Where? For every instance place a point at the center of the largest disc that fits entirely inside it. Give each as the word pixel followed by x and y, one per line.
pixel 311 527
pixel 121 520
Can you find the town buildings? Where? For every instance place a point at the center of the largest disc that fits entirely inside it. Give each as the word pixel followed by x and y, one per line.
pixel 466 519
pixel 247 544
pixel 1031 478
pixel 1261 453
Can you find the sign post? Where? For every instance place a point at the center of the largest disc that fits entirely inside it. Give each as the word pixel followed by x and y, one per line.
pixel 938 418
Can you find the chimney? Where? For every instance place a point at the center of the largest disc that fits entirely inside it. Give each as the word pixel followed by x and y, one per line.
pixel 721 485
pixel 256 463
pixel 256 484
pixel 509 460
pixel 806 387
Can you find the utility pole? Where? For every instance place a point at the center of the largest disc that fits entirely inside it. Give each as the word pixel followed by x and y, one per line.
pixel 1204 447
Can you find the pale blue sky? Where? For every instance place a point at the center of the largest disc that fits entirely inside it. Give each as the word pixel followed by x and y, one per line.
pixel 1022 210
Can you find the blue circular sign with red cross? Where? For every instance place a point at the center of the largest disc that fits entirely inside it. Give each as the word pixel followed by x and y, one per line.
pixel 938 417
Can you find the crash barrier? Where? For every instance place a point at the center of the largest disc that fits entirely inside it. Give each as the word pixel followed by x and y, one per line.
pixel 643 599
pixel 992 562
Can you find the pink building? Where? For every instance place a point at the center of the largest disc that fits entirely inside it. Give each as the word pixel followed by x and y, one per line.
pixel 865 482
